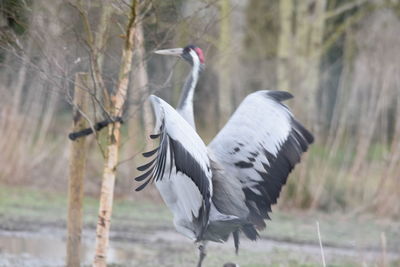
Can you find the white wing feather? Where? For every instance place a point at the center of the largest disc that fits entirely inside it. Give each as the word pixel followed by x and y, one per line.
pixel 259 146
pixel 181 170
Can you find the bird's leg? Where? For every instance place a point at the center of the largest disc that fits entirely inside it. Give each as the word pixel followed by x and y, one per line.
pixel 202 253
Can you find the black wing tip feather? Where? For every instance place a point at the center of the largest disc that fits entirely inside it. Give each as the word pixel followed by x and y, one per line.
pixel 154 136
pixel 279 95
pixel 250 232
pixel 151 167
pixel 142 186
pixel 306 133
pixel 277 172
pixel 146 166
pixel 150 153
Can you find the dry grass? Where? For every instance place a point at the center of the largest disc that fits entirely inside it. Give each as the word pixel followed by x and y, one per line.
pixel 353 167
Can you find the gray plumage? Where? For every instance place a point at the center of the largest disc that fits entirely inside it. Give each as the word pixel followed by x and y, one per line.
pixel 227 187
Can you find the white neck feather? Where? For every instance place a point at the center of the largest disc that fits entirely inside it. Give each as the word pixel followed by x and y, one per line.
pixel 185 107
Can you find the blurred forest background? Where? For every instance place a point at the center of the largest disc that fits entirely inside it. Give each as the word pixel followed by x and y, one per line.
pixel 340 59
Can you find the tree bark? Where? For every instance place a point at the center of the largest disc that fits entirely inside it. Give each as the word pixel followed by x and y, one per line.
pixel 312 75
pixel 100 39
pixel 111 158
pixel 99 45
pixel 141 109
pixel 284 44
pixel 77 173
pixel 225 91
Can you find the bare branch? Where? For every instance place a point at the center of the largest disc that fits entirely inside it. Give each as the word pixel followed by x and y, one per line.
pixel 345 7
pixel 320 245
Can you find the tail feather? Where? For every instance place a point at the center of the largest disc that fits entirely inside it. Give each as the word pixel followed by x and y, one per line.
pixel 220 227
pixel 235 235
pixel 250 231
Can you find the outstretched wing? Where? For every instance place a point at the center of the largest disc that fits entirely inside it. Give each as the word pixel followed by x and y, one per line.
pixel 182 159
pixel 259 146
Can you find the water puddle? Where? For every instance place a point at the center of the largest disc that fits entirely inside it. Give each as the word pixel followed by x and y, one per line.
pixel 42 249
pixel 47 248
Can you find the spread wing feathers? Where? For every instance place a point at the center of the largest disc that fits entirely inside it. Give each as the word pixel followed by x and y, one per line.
pixel 260 145
pixel 181 151
pixel 155 169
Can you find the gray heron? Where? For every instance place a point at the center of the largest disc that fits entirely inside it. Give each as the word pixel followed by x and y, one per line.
pixel 227 187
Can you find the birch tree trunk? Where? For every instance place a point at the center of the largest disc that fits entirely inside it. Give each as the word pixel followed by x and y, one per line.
pixel 111 158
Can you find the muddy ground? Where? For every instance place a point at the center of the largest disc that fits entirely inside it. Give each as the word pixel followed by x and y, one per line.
pixel 25 243
pixel 32 233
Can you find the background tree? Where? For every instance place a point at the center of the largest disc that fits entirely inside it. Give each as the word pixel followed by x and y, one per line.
pixel 337 57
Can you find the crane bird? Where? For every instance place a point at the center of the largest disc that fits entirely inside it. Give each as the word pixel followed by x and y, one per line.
pixel 229 186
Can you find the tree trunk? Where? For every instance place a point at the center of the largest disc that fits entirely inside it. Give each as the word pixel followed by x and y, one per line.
pixel 300 56
pixel 77 173
pixel 111 158
pixel 98 50
pixel 100 40
pixel 225 92
pixel 141 120
pixel 284 44
pixel 141 110
pixel 312 75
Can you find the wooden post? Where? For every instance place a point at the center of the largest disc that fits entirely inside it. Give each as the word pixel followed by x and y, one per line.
pixel 77 165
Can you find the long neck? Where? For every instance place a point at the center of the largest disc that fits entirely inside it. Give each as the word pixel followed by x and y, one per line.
pixel 185 105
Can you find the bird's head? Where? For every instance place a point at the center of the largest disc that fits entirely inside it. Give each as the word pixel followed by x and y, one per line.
pixel 191 53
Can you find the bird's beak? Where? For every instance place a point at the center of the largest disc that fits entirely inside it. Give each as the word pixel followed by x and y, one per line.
pixel 172 52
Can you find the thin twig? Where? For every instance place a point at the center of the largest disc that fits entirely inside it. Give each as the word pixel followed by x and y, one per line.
pixel 344 8
pixel 320 245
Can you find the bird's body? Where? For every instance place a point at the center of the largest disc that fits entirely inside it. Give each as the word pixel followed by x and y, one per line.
pixel 228 186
